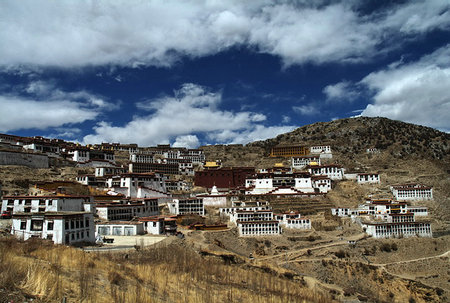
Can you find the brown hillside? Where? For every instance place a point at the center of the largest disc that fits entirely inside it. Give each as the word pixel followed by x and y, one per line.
pixel 407 153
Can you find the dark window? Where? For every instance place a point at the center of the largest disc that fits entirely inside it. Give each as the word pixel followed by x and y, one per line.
pixel 37 225
pixel 49 225
pixel 23 225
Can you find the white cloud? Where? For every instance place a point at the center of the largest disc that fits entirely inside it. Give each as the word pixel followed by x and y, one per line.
pixel 42 105
pixel 341 91
pixel 189 141
pixel 134 33
pixel 306 110
pixel 22 113
pixel 414 92
pixel 286 119
pixel 192 110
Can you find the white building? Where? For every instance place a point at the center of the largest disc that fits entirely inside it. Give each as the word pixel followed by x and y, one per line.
pixel 412 192
pixel 102 171
pixel 302 162
pixel 135 185
pixel 244 206
pixel 293 220
pixel 119 228
pixel 256 215
pixel 84 154
pixel 420 211
pixel 396 230
pixel 42 147
pixel 258 228
pixel 127 209
pixel 60 227
pixel 187 206
pixel 159 225
pixel 372 150
pixel 321 183
pixel 379 208
pixel 320 149
pixel 35 204
pixel 215 198
pixel 368 178
pixel 332 171
pixel 263 183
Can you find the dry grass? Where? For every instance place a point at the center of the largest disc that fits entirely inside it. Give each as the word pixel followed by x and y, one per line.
pixel 164 273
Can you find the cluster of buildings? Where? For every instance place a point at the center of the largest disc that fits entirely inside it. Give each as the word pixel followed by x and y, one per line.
pixel 134 195
pixel 254 219
pixel 387 218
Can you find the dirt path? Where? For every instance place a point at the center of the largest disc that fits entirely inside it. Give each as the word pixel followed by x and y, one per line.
pixel 412 260
pixel 293 254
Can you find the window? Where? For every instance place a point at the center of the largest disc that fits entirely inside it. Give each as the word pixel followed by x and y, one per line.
pixel 23 225
pixel 50 225
pixel 36 225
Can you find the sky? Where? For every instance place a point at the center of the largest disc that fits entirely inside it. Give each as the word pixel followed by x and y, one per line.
pixel 193 73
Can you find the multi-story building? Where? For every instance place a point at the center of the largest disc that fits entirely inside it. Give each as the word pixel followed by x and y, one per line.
pixel 384 218
pixel 164 168
pixel 258 228
pixel 320 149
pixel 127 209
pixel 293 220
pixel 368 178
pixel 40 204
pixel 120 228
pixel 187 206
pixel 412 191
pixel 131 148
pixel 230 177
pixel 288 151
pixel 159 225
pixel 332 171
pixel 83 154
pixel 139 185
pixel 299 182
pixel 397 229
pixel 255 215
pixel 302 162
pixel 60 227
pixel 244 206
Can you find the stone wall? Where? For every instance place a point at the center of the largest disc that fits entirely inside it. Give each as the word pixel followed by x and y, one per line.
pixel 25 159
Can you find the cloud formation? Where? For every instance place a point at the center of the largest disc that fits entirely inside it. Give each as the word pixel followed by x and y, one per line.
pixel 192 110
pixel 41 105
pixel 341 91
pixel 133 33
pixel 415 92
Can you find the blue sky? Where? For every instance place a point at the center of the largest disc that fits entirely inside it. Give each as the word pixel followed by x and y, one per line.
pixel 191 73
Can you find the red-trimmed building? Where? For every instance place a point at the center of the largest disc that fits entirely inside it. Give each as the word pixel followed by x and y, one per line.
pixel 227 177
